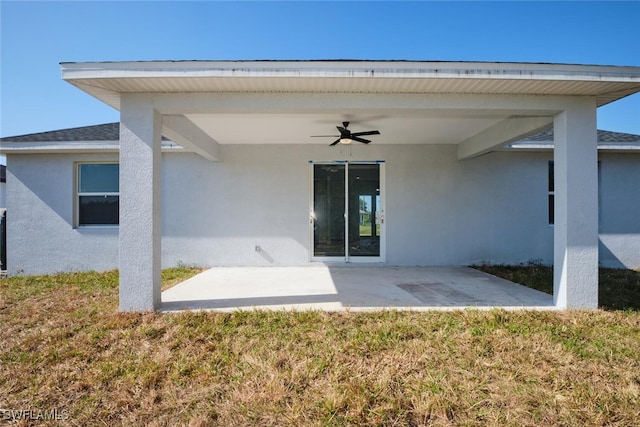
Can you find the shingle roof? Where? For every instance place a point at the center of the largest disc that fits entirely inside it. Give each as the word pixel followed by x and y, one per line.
pixel 604 136
pixel 105 132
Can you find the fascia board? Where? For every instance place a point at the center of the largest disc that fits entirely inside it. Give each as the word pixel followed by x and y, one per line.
pixel 397 69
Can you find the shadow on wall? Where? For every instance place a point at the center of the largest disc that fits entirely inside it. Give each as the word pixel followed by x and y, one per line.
pixel 619 251
pixel 264 254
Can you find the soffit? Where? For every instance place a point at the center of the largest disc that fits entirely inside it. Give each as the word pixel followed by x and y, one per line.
pixel 107 81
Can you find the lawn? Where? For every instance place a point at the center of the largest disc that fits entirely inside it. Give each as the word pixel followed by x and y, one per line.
pixel 619 289
pixel 65 348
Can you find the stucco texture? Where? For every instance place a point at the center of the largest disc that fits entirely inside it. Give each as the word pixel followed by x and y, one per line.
pixel 439 211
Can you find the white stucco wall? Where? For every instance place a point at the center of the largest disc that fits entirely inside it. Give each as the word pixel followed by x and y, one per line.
pixel 40 233
pixel 439 210
pixel 620 210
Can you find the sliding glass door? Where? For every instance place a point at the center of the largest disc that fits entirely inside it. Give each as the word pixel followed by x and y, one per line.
pixel 347 214
pixel 328 212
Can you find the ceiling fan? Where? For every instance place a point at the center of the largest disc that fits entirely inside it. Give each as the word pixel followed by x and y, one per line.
pixel 346 136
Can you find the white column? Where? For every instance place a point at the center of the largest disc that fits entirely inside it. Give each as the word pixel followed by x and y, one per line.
pixel 575 276
pixel 140 215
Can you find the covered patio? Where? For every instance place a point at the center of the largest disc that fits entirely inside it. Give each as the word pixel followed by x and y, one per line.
pixel 338 288
pixel 250 110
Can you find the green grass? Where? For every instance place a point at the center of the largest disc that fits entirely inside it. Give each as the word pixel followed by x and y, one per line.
pixel 365 230
pixel 64 346
pixel 619 289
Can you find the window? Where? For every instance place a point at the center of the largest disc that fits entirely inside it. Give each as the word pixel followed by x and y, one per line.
pixel 98 194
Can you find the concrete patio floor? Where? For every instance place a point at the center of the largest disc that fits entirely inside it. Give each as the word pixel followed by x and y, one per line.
pixel 322 287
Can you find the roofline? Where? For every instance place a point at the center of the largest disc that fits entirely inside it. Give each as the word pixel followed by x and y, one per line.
pixel 107 81
pixel 349 68
pixel 340 60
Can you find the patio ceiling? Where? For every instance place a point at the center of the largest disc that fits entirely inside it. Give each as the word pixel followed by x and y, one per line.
pixel 319 80
pixel 431 128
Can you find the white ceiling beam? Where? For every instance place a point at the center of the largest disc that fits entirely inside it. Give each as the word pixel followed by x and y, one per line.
pixel 184 132
pixel 503 132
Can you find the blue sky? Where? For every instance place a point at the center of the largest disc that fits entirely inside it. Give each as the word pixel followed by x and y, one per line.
pixel 37 36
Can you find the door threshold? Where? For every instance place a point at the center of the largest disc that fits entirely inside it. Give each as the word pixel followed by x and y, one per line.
pixel 348 264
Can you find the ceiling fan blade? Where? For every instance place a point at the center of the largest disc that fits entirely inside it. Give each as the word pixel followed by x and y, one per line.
pixel 369 132
pixel 364 141
pixel 347 136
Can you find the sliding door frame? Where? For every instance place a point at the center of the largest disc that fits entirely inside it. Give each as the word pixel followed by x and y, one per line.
pixel 381 220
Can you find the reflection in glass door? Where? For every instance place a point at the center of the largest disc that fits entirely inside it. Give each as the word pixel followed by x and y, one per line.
pixel 347 212
pixel 364 208
pixel 328 210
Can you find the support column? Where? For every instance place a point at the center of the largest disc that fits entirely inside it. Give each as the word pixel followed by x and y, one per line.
pixel 575 275
pixel 140 209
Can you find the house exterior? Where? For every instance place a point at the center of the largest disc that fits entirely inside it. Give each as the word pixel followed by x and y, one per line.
pixel 216 163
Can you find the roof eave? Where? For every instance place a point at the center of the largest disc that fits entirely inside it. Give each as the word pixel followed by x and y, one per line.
pixel 106 81
pixel 396 69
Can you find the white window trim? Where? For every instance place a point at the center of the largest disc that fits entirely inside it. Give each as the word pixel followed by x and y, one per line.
pixel 383 231
pixel 77 194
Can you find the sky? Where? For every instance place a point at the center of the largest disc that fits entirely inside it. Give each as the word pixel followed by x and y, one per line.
pixel 36 36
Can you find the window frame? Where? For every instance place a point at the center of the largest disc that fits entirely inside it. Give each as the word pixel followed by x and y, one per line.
pixel 78 194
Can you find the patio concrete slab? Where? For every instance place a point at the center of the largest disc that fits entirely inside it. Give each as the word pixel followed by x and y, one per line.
pixel 337 288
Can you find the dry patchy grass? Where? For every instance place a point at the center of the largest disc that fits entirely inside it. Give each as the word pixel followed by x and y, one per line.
pixel 619 289
pixel 64 346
